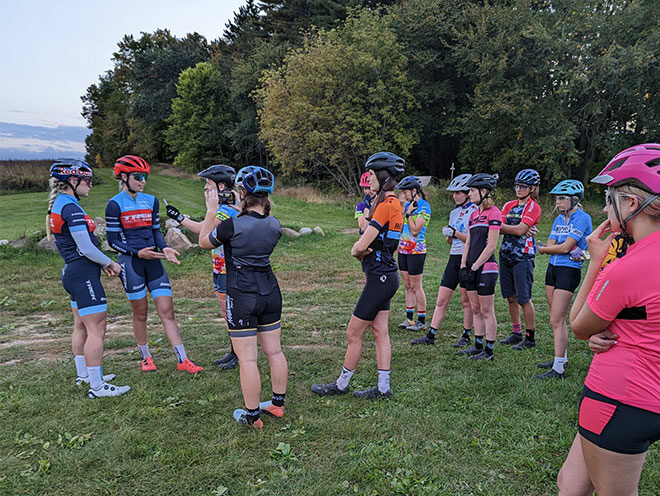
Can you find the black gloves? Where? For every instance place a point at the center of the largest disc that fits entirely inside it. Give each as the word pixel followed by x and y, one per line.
pixel 468 276
pixel 173 213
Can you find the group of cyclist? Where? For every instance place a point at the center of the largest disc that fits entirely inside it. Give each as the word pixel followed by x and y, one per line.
pixel 616 310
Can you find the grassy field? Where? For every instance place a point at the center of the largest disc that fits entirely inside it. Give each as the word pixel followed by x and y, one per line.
pixel 454 427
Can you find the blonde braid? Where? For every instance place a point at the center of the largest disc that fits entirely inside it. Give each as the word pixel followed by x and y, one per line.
pixel 55 187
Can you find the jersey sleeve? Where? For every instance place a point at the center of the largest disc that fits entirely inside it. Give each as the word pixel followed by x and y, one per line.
pixel 553 230
pixel 581 228
pixel 531 214
pixel 74 217
pixel 113 229
pixel 505 210
pixel 381 216
pixel 159 240
pixel 495 219
pixel 610 292
pixel 424 210
pixel 222 232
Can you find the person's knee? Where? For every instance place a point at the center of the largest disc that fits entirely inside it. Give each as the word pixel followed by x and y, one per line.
pixel 512 299
pixel 557 322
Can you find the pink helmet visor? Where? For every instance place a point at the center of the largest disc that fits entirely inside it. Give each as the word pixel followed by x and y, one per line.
pixel 640 162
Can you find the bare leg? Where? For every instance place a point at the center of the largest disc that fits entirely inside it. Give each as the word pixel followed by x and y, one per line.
pixel 410 295
pixel 354 333
pixel 418 292
pixel 487 304
pixel 441 304
pixel 468 318
pixel 479 329
pixel 79 335
pixel 95 325
pixel 529 314
pixel 139 308
pixel 573 479
pixel 165 309
pixel 279 371
pixel 381 335
pixel 514 309
pixel 561 300
pixel 246 350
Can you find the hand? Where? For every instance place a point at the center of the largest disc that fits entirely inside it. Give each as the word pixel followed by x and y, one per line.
pixel 598 247
pixel 576 254
pixel 540 247
pixel 113 269
pixel 411 208
pixel 149 253
pixel 474 268
pixel 173 212
pixel 355 252
pixel 533 231
pixel 212 200
pixel 602 341
pixel 467 276
pixel 171 254
pixel 448 231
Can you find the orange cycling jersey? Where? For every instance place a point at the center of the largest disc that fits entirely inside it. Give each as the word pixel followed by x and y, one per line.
pixel 388 220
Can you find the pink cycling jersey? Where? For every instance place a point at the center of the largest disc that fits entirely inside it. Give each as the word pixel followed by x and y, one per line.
pixel 627 294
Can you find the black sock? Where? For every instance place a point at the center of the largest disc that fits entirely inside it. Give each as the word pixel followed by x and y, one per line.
pixel 421 317
pixel 529 334
pixel 278 399
pixel 479 342
pixel 430 335
pixel 251 415
pixel 466 332
pixel 432 331
pixel 410 312
pixel 489 347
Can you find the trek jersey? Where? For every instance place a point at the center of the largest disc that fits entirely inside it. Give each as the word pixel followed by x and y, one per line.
pixel 578 227
pixel 481 223
pixel 459 218
pixel 626 293
pixel 415 245
pixel 133 223
pixel 248 240
pixel 67 216
pixel 224 212
pixel 388 220
pixel 514 247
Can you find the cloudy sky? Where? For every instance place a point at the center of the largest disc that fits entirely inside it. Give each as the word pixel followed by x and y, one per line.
pixel 51 51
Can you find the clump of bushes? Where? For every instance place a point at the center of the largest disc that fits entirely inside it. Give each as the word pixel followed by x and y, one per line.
pixel 22 176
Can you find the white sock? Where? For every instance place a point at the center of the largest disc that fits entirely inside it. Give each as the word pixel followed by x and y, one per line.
pixel 383 380
pixel 144 350
pixel 180 352
pixel 566 355
pixel 344 378
pixel 95 377
pixel 81 365
pixel 558 364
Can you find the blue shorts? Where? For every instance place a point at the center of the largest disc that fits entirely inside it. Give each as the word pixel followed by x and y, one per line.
pixel 516 278
pixel 250 313
pixel 82 280
pixel 220 283
pixel 138 275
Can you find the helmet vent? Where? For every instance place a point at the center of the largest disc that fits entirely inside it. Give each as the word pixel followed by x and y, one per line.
pixel 654 163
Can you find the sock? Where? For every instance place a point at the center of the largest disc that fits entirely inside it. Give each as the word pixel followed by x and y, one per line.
pixel 489 347
pixel 517 328
pixel 144 351
pixel 344 378
pixel 466 332
pixel 479 342
pixel 81 365
pixel 421 316
pixel 278 399
pixel 95 377
pixel 566 355
pixel 529 334
pixel 433 331
pixel 251 415
pixel 558 364
pixel 180 352
pixel 410 312
pixel 383 380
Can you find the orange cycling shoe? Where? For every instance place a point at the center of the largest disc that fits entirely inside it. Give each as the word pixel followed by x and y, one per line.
pixel 189 366
pixel 270 409
pixel 148 364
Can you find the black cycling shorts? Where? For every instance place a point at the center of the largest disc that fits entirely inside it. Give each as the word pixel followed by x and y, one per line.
pixel 516 278
pixel 450 277
pixel 376 295
pixel 560 277
pixel 613 426
pixel 412 264
pixel 486 279
pixel 250 313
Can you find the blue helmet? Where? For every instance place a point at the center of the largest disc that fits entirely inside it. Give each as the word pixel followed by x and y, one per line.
pixel 529 177
pixel 257 181
pixel 410 182
pixel 569 187
pixel 238 180
pixel 65 168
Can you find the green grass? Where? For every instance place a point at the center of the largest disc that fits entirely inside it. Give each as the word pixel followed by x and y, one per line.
pixel 455 427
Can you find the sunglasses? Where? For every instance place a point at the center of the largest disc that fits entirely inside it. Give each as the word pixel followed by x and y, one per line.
pixel 139 176
pixel 563 198
pixel 87 181
pixel 520 186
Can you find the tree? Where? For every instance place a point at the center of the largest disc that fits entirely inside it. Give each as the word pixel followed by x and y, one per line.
pixel 340 97
pixel 197 130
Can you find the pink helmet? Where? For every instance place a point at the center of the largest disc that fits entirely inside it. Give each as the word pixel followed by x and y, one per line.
pixel 364 180
pixel 640 162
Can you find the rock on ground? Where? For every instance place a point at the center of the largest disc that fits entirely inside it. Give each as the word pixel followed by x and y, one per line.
pixel 290 233
pixel 318 230
pixel 305 231
pixel 47 244
pixel 100 227
pixel 177 240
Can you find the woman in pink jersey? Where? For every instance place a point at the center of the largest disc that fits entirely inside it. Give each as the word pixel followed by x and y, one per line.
pixel 619 414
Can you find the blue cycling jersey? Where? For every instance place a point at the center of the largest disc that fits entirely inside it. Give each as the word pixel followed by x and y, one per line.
pixel 578 227
pixel 67 216
pixel 133 223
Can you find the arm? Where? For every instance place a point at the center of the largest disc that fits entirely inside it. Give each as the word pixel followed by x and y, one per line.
pixel 87 249
pixel 155 226
pixel 416 225
pixel 208 224
pixel 363 223
pixel 517 230
pixel 113 230
pixel 466 248
pixel 555 249
pixel 493 236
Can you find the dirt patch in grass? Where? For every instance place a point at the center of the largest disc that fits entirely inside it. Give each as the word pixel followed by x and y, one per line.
pixel 351 230
pixel 309 194
pixel 171 171
pixel 194 286
pixel 298 281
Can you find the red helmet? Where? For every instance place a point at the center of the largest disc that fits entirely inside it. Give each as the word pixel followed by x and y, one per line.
pixel 131 163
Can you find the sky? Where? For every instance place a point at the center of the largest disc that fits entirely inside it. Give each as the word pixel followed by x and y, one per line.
pixel 52 50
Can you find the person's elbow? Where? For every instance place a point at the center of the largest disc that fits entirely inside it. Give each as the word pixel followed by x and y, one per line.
pixel 205 244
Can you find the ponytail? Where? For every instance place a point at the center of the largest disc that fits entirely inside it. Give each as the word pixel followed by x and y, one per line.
pixel 251 201
pixel 387 184
pixel 55 188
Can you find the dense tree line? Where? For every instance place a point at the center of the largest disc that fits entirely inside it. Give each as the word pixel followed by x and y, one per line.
pixel 312 87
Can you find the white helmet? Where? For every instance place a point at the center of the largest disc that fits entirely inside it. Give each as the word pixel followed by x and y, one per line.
pixel 459 183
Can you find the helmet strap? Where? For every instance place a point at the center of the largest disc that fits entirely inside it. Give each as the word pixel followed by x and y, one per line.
pixel 482 197
pixel 125 183
pixel 74 188
pixel 623 223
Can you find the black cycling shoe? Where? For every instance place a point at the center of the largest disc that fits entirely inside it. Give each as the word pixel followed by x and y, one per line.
pixel 462 342
pixel 330 389
pixel 524 344
pixel 514 338
pixel 373 393
pixel 551 374
pixel 482 356
pixel 425 339
pixel 471 351
pixel 230 364
pixel 548 365
pixel 228 357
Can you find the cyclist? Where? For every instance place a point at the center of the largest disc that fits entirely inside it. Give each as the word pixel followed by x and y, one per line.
pixel 456 234
pixel 479 269
pixel 74 236
pixel 133 229
pixel 375 250
pixel 517 256
pixel 412 250
pixel 254 301
pixel 565 247
pixel 619 412
pixel 362 208
pixel 221 177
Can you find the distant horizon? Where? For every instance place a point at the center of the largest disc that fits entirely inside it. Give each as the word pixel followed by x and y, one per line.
pixel 29 142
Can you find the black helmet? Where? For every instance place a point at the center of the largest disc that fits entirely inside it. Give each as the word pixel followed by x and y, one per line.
pixel 220 173
pixel 410 182
pixel 386 161
pixel 483 180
